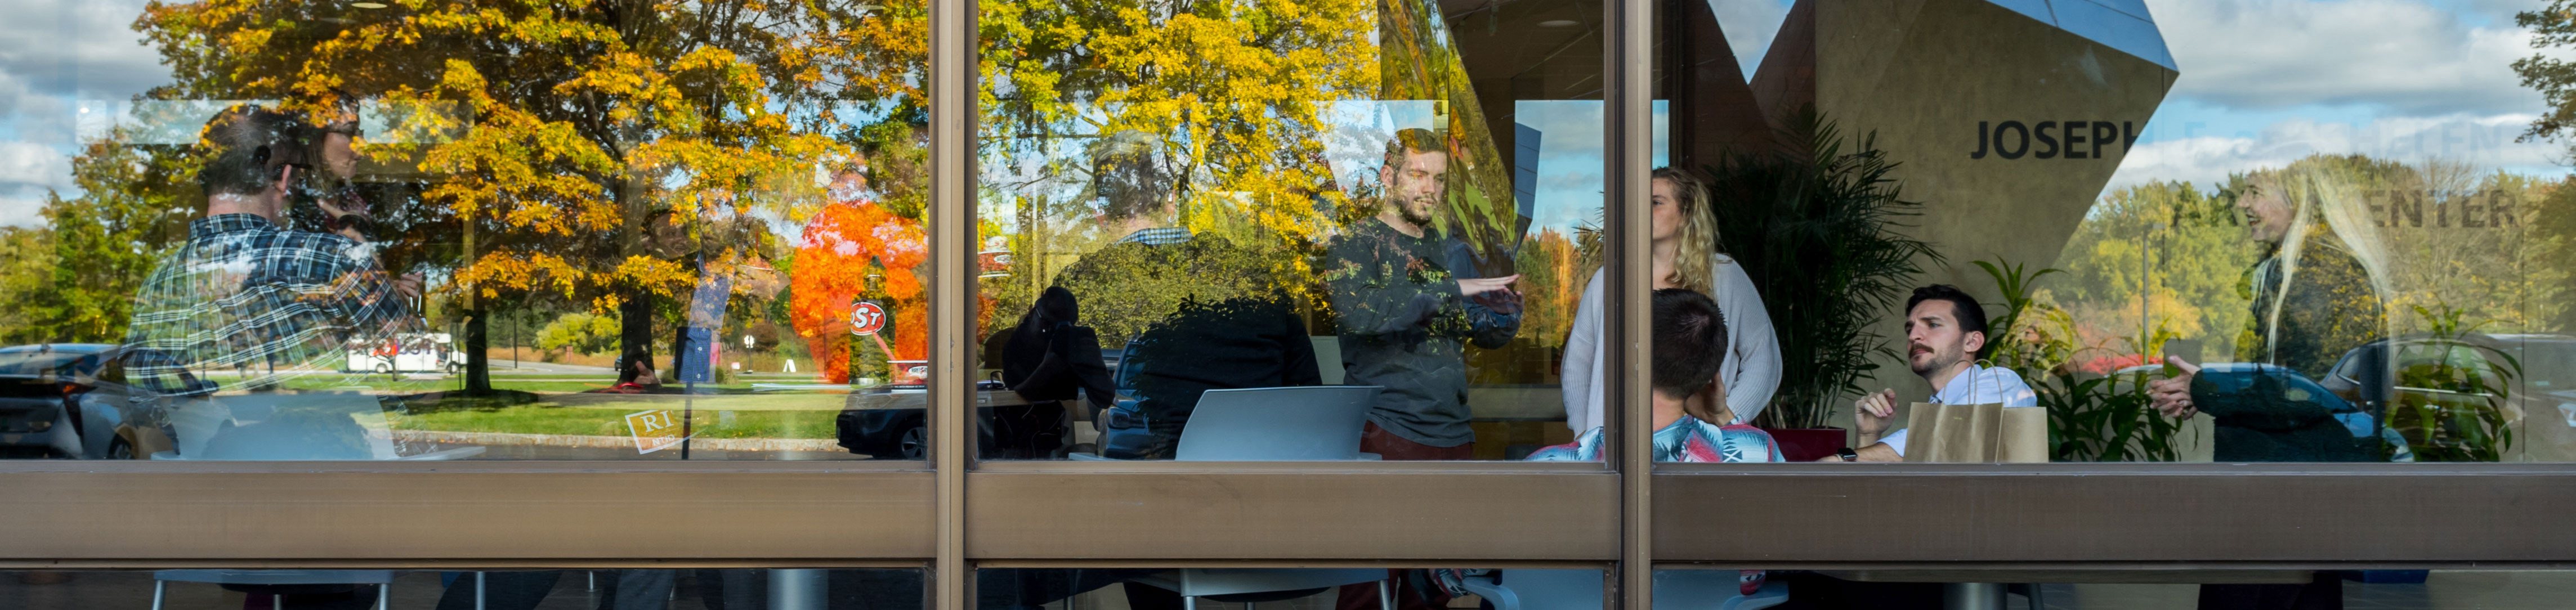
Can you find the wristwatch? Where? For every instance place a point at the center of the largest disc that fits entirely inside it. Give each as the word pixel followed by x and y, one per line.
pixel 1847 454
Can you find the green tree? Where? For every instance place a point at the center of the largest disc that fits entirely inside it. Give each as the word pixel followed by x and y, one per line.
pixel 2553 26
pixel 73 280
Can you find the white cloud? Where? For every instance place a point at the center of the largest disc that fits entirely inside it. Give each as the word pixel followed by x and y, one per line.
pixel 2411 56
pixel 85 48
pixel 26 164
pixel 2484 141
pixel 53 52
pixel 27 170
pixel 21 211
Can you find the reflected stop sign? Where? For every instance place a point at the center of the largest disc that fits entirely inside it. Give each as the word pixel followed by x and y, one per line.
pixel 867 319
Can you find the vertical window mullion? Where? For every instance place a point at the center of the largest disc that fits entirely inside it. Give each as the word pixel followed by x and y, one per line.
pixel 1630 148
pixel 952 308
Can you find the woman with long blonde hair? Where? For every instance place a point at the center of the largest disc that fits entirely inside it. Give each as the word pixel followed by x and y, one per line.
pixel 1685 256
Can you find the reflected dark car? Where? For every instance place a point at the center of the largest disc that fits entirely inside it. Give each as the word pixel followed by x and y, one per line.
pixel 1122 428
pixel 41 390
pixel 891 422
pixel 2518 374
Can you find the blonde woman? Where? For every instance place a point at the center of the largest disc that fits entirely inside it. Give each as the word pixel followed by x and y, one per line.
pixel 1685 256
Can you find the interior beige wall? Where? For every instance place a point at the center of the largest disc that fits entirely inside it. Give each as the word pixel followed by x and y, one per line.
pixel 1923 73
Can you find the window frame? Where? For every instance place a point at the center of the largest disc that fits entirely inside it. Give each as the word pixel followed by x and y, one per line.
pixel 953 515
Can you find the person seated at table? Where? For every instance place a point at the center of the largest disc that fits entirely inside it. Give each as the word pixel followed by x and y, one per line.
pixel 1689 401
pixel 1945 333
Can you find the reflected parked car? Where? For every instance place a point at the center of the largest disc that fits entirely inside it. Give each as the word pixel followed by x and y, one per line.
pixel 891 422
pixel 2454 398
pixel 41 387
pixel 1122 427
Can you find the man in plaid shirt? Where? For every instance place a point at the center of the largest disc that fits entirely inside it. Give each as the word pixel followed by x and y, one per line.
pixel 247 295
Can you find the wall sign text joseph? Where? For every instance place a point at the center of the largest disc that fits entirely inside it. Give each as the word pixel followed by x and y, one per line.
pixel 2052 139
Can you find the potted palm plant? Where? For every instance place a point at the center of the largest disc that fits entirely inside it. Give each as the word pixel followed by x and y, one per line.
pixel 1816 227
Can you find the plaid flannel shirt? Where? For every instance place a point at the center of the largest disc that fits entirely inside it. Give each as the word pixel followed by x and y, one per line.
pixel 248 296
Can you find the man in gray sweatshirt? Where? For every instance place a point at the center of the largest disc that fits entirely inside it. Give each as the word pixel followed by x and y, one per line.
pixel 1406 314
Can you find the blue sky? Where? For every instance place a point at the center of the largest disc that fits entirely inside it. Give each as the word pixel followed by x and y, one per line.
pixel 2263 82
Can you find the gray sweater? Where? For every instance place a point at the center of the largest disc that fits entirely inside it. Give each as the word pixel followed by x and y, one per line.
pixel 1404 326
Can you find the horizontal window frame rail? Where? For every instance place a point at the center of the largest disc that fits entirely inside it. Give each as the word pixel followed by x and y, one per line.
pixel 466 565
pixel 873 514
pixel 2130 513
pixel 478 511
pixel 1291 510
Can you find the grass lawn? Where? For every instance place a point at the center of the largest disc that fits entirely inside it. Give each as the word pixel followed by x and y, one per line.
pixel 558 405
pixel 610 420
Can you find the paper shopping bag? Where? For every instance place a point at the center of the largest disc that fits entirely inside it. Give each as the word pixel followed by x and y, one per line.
pixel 1982 433
pixel 2023 436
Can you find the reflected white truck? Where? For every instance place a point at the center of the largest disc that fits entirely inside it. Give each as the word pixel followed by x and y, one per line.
pixel 407 353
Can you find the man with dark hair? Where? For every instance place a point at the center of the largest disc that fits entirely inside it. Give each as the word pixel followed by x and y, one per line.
pixel 1945 333
pixel 264 303
pixel 247 295
pixel 1405 318
pixel 1406 315
pixel 1689 345
pixel 1689 399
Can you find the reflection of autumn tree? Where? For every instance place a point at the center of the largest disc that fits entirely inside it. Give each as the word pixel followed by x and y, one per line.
pixel 1232 92
pixel 845 246
pixel 574 123
pixel 1552 275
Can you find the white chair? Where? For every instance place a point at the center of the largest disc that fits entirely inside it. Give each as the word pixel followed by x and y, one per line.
pixel 1249 585
pixel 383 579
pixel 1272 424
pixel 1581 589
pixel 316 426
pixel 1308 423
pixel 1278 424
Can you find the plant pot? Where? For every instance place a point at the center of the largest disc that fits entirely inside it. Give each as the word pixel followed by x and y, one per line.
pixel 1808 444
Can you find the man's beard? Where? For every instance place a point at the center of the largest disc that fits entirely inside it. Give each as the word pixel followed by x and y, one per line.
pixel 1419 215
pixel 1926 367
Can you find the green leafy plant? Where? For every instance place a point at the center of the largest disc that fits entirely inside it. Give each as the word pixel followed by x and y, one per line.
pixel 2091 418
pixel 1816 229
pixel 2450 406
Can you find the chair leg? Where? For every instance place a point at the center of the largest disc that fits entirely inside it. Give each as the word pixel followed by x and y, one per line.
pixel 277 602
pixel 159 587
pixel 478 591
pixel 1385 596
pixel 1189 602
pixel 2037 600
pixel 385 596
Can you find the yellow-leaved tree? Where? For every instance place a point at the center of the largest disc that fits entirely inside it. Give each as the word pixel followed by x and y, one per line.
pixel 594 148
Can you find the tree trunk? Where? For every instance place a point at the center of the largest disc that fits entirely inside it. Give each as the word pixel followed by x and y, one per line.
pixel 478 361
pixel 634 333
